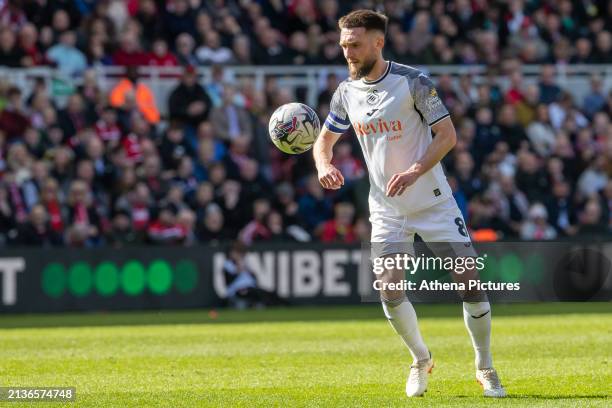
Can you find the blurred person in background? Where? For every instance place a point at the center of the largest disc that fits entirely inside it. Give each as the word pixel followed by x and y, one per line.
pixel 14 119
pixel 241 49
pixel 121 233
pixel 28 42
pixel 11 54
pixel 537 228
pixel 129 53
pixel 185 45
pixel 187 220
pixel 174 147
pixel 82 217
pixel 340 228
pixel 314 207
pixel 229 120
pixel 130 87
pixel 605 200
pixel 50 200
pixel 591 224
pixel 165 230
pixel 256 229
pixel 211 227
pixel 274 224
pixel 242 289
pixel 212 51
pixel 574 134
pixel 595 100
pixel 540 132
pixel 107 127
pixel 561 209
pixel 66 56
pixel 189 103
pixel 37 231
pixel 160 56
pixel 75 117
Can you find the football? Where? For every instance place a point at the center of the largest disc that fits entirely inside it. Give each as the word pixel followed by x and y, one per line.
pixel 294 127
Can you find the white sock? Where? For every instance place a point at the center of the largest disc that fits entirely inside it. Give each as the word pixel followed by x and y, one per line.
pixel 403 319
pixel 477 317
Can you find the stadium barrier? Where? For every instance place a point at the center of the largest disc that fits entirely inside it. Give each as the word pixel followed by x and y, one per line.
pixel 35 280
pixel 575 79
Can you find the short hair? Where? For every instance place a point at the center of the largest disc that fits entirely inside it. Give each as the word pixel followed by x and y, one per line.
pixel 370 20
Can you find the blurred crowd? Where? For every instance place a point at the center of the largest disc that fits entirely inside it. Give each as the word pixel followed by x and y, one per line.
pixel 107 168
pixel 531 162
pixel 74 34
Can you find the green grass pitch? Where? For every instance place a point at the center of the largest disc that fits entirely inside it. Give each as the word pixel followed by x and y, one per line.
pixel 547 355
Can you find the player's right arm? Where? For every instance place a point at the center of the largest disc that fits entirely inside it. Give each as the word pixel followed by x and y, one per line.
pixel 323 151
pixel 336 124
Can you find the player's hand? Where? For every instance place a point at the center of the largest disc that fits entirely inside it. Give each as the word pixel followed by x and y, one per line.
pixel 330 177
pixel 401 181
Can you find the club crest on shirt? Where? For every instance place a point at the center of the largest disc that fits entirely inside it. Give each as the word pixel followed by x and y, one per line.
pixel 373 97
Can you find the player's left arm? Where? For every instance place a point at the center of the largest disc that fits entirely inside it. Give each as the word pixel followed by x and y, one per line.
pixel 434 113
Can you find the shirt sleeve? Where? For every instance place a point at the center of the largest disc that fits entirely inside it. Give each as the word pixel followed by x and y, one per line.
pixel 337 121
pixel 427 101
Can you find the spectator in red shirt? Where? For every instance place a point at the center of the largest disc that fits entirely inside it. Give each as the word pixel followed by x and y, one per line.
pixel 165 229
pixel 256 230
pixel 82 214
pixel 141 204
pixel 340 228
pixel 160 56
pixel 28 37
pixel 49 198
pixel 106 127
pixel 12 15
pixel 13 119
pixel 129 52
pixel 132 143
pixel 132 148
pixel 515 95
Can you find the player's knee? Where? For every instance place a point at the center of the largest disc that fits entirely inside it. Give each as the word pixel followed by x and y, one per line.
pixel 389 281
pixel 394 302
pixel 477 309
pixel 393 295
pixel 390 304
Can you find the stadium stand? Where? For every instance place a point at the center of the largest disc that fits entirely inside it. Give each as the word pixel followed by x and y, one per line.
pixel 114 161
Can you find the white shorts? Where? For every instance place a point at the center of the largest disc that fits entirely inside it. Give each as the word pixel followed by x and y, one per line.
pixel 441 223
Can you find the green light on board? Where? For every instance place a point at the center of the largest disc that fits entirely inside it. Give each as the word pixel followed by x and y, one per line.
pixel 106 279
pixel 80 279
pixel 54 280
pixel 159 277
pixel 185 276
pixel 510 268
pixel 133 278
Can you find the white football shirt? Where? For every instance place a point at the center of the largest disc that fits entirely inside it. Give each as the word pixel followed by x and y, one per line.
pixel 391 118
